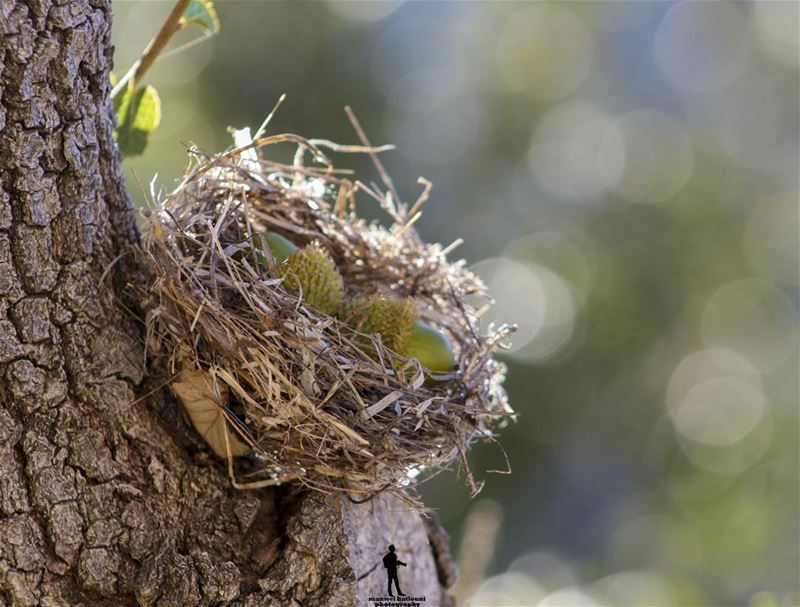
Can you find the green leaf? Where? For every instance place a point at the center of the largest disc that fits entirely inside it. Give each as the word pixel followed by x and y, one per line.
pixel 138 115
pixel 203 14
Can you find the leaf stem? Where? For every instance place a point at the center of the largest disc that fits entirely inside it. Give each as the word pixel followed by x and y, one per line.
pixel 154 48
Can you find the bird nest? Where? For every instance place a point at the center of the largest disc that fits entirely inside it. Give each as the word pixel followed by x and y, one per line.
pixel 282 390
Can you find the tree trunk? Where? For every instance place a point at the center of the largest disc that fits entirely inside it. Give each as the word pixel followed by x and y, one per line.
pixel 101 501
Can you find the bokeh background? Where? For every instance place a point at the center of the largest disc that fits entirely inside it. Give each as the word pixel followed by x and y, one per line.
pixel 625 177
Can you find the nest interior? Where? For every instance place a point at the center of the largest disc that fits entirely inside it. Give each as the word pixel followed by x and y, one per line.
pixel 302 394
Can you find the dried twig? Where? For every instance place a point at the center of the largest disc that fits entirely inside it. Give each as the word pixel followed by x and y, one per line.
pixel 153 50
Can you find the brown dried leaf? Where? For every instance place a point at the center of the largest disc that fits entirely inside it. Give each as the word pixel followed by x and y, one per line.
pixel 205 409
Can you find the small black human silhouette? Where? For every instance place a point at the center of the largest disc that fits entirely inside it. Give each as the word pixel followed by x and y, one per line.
pixel 390 561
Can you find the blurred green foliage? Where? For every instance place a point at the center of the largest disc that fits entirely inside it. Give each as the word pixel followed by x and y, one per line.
pixel 625 176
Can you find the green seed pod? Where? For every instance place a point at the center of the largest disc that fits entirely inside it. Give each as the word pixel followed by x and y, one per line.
pixel 279 246
pixel 310 271
pixel 393 319
pixel 431 348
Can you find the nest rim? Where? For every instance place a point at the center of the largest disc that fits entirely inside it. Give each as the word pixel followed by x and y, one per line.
pixel 318 409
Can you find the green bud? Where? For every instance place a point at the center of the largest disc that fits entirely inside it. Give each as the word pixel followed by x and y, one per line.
pixel 311 272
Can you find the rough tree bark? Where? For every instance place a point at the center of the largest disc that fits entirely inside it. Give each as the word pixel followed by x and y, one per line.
pixel 100 503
